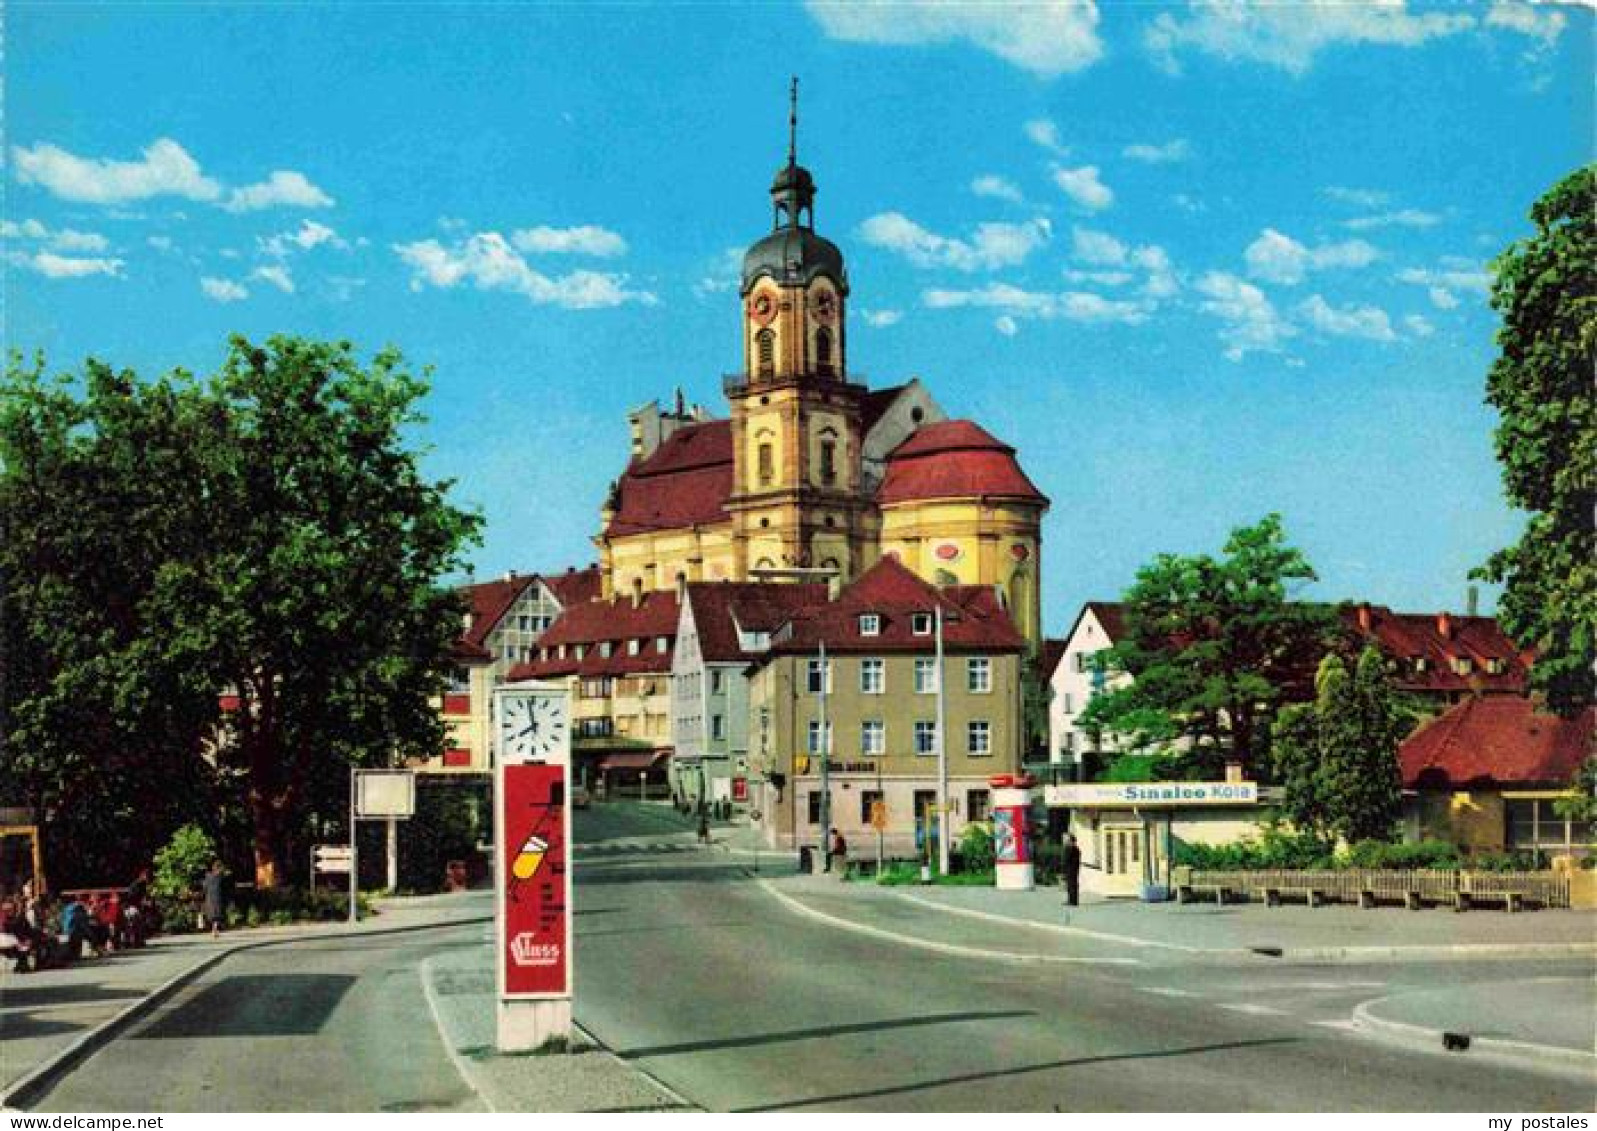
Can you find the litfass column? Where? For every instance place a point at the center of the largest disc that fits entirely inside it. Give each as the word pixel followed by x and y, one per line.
pixel 1011 840
pixel 532 864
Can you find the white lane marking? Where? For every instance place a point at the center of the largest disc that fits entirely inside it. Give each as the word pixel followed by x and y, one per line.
pixel 1105 936
pixel 1167 991
pixel 1253 1010
pixel 1258 986
pixel 1345 1025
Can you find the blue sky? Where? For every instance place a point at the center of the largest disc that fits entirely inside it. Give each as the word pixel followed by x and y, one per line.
pixel 1197 263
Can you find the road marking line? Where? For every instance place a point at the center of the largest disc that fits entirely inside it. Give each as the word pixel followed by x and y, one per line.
pixel 1128 940
pixel 1346 1025
pixel 1253 1010
pixel 1166 991
pixel 942 948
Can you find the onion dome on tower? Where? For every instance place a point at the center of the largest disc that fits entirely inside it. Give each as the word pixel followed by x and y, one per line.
pixel 793 255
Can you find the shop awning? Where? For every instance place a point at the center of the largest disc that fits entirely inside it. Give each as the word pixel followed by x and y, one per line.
pixel 633 760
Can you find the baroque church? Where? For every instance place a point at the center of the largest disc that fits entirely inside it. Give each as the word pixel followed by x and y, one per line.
pixel 813 476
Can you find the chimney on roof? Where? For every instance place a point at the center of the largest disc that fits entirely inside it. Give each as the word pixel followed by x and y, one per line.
pixel 1472 601
pixel 1365 617
pixel 1444 625
pixel 511 576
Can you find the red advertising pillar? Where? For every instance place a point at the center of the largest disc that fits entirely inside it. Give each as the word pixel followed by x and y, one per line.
pixel 1011 835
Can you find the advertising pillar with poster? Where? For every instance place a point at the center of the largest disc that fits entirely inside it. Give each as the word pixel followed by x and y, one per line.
pixel 1011 832
pixel 532 864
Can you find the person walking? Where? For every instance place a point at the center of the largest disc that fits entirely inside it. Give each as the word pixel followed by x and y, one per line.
pixel 213 905
pixel 839 854
pixel 1072 871
pixel 704 824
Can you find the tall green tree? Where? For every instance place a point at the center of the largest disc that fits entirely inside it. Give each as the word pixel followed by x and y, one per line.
pixel 266 535
pixel 1541 385
pixel 1337 757
pixel 1214 646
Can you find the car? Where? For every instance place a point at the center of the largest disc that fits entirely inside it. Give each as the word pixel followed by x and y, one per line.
pixel 580 797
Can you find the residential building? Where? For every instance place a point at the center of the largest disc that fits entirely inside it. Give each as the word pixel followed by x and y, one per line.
pixel 723 626
pixel 1487 772
pixel 1075 678
pixel 871 710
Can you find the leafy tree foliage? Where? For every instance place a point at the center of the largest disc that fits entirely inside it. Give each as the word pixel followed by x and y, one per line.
pixel 1214 647
pixel 265 535
pixel 1337 757
pixel 1541 385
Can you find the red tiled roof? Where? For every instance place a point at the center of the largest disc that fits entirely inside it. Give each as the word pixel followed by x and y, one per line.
pixel 489 601
pixel 954 459
pixel 685 482
pixel 1053 651
pixel 1410 636
pixel 573 587
pixel 1497 738
pixel 720 608
pixel 615 622
pixel 973 616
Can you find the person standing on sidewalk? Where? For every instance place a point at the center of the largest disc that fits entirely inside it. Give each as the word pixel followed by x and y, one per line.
pixel 213 907
pixel 838 854
pixel 1072 871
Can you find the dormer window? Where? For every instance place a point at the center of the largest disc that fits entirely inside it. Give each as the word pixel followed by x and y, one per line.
pixel 1463 665
pixel 921 624
pixel 582 650
pixel 661 644
pixel 634 647
pixel 870 624
pixel 1420 664
pixel 605 649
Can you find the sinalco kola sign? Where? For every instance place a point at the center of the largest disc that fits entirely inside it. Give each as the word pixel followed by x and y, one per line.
pixel 1152 794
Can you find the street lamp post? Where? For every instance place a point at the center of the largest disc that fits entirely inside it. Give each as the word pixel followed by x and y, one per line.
pixel 942 750
pixel 826 766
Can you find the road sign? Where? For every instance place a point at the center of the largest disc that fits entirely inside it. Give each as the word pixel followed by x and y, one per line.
pixel 383 794
pixel 878 815
pixel 332 859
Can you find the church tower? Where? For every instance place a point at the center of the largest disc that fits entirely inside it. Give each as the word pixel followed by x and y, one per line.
pixel 798 502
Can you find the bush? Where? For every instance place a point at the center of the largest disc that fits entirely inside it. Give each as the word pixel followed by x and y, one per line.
pixel 181 865
pixel 976 848
pixel 1275 848
pixel 1381 854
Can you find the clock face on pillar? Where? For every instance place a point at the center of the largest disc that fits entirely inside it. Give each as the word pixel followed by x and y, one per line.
pixel 533 727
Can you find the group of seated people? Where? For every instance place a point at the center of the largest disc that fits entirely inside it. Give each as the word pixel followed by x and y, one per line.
pixel 38 931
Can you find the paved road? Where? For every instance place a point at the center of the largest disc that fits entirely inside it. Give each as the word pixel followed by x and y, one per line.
pixel 335 1025
pixel 697 976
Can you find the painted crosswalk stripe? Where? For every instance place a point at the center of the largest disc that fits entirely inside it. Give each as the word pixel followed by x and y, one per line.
pixel 1253 1010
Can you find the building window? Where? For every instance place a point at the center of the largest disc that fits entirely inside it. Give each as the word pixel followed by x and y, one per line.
pixel 661 643
pixel 978 675
pixel 605 649
pixel 767 462
pixel 715 682
pixel 979 737
pixel 582 651
pixel 870 624
pixel 925 736
pixel 872 677
pixel 823 351
pixel 828 461
pixel 925 676
pixel 814 807
pixel 765 351
pixel 717 727
pixel 921 624
pixel 872 737
pixel 926 809
pixel 813 676
pixel 867 799
pixel 978 805
pixel 1082 664
pixel 1533 823
pixel 634 647
pixel 459 681
pixel 1068 704
pixel 816 738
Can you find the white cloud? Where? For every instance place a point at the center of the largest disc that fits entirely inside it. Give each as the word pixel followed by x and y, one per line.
pixel 1045 133
pixel 283 189
pixel 1075 306
pixel 1279 258
pixel 1188 203
pixel 160 243
pixel 53 266
pixel 996 187
pixel 881 319
pixel 277 275
pixel 1418 325
pixel 1454 275
pixel 307 236
pixel 1047 39
pixel 1353 321
pixel 1006 325
pixel 1252 324
pixel 1099 248
pixel 724 275
pixel 993 245
pixel 1442 298
pixel 488 262
pixel 586 239
pixel 1361 198
pixel 1537 21
pixel 165 169
pixel 1289 36
pixel 1098 278
pixel 61 239
pixel 223 290
pixel 1166 154
pixel 1084 187
pixel 1402 218
pixel 1161 282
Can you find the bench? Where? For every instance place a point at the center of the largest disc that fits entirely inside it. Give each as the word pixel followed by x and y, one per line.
pixel 1186 893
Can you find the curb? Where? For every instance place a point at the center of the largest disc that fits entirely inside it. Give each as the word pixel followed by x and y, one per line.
pixel 801 908
pixel 1523 1054
pixel 36 1084
pixel 1059 928
pixel 665 1088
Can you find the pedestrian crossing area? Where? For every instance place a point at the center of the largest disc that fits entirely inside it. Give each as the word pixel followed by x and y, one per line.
pixel 633 848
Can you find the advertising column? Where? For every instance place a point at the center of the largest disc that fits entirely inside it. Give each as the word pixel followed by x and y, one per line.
pixel 532 864
pixel 1011 833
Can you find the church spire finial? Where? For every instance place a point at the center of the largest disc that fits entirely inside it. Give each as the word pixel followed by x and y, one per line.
pixel 792 124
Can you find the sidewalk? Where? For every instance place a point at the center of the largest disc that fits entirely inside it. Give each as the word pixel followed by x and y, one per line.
pixel 460 992
pixel 46 1013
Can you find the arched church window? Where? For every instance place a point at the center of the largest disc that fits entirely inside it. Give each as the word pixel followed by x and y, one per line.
pixel 828 460
pixel 823 351
pixel 765 351
pixel 767 463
